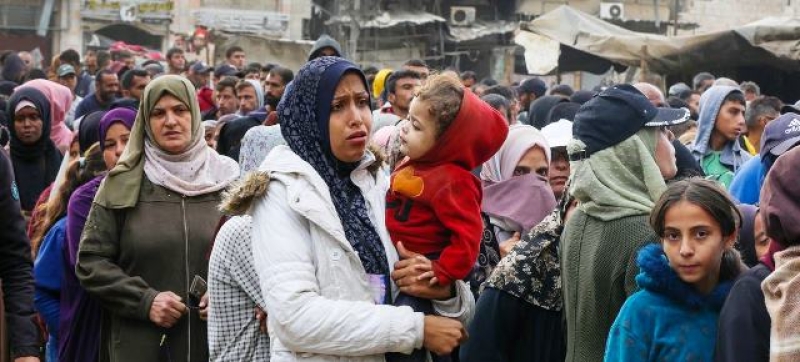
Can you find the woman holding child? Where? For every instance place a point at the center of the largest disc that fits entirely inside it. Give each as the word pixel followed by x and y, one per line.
pixel 330 289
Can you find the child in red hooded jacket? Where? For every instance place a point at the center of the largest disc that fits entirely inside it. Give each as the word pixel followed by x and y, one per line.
pixel 434 203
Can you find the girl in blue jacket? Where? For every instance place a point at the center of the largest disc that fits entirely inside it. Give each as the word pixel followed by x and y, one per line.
pixel 683 281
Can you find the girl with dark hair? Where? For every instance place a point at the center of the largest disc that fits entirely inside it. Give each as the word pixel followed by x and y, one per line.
pixel 684 280
pixel 50 239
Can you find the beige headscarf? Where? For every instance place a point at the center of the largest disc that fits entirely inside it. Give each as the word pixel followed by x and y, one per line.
pixel 619 181
pixel 196 171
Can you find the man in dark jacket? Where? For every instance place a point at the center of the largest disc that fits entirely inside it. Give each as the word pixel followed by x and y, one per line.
pixel 16 269
pixel 107 86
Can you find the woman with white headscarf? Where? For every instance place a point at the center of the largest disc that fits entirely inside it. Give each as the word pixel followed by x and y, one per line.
pixel 516 196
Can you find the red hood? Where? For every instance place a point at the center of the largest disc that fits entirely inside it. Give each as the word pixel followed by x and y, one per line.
pixel 473 138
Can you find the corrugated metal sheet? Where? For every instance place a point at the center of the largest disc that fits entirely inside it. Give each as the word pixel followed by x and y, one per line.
pixel 267 23
pixel 481 29
pixel 389 19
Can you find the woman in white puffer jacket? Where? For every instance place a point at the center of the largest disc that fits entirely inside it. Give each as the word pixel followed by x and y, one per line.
pixel 327 268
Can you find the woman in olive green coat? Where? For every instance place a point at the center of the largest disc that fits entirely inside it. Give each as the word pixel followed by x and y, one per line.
pixel 150 228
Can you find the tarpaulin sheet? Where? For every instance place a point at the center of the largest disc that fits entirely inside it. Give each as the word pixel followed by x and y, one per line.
pixel 587 43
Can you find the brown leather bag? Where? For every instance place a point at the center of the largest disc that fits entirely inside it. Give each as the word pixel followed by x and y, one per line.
pixel 5 354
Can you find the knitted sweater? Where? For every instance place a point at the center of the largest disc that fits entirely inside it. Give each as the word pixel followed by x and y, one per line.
pixel 783 303
pixel 598 263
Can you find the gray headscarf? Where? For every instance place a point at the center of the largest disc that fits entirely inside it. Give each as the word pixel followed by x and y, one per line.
pixel 256 144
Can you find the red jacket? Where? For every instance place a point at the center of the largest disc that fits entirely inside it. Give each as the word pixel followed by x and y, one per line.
pixel 434 203
pixel 205 97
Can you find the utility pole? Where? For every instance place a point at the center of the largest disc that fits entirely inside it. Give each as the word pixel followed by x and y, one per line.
pixel 675 16
pixel 658 18
pixel 355 30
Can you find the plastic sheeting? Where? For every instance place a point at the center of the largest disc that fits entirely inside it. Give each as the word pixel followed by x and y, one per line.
pixel 587 43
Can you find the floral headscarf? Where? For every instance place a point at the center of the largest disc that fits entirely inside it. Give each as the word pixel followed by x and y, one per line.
pixel 304 113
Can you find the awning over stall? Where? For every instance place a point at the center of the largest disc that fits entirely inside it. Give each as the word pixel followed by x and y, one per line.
pixel 567 39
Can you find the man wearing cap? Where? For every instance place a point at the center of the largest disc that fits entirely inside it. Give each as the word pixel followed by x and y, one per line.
pixel 529 91
pixel 68 77
pixel 71 57
pixel 780 135
pixel 199 75
pixel 678 90
pixel 224 70
pixel 620 156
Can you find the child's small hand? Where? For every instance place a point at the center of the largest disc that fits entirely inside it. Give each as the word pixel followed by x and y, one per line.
pixel 428 274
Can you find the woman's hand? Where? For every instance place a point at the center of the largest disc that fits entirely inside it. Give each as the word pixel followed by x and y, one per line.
pixel 506 246
pixel 413 274
pixel 167 309
pixel 442 335
pixel 203 307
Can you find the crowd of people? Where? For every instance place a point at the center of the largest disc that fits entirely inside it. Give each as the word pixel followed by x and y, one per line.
pixel 338 212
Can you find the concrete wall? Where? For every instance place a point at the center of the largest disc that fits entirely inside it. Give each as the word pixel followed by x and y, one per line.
pixel 712 15
pixel 263 5
pixel 297 10
pixel 634 9
pixel 182 21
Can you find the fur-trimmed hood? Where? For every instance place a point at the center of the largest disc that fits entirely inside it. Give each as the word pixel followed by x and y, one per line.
pixel 657 276
pixel 238 198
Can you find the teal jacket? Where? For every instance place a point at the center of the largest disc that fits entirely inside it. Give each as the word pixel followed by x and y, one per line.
pixel 667 320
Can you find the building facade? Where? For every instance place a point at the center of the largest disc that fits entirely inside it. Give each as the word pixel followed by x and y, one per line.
pixel 161 24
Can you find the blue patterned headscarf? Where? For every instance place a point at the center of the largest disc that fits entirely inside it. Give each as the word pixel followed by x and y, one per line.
pixel 304 114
